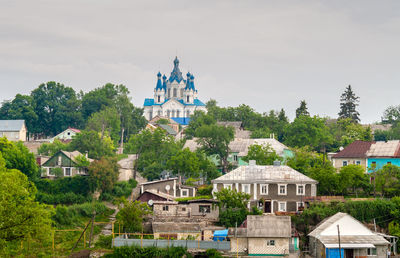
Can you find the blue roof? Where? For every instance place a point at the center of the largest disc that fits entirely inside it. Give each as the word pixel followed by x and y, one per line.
pixel 190 83
pixel 159 85
pixel 181 120
pixel 150 102
pixel 176 74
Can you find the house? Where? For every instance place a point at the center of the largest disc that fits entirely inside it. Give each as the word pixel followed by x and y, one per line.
pixel 174 125
pixel 67 162
pixel 262 235
pixel 275 188
pixel 13 130
pixel 176 230
pixel 240 132
pixel 356 240
pixel 382 153
pixel 355 153
pixel 170 186
pixel 66 135
pixel 239 147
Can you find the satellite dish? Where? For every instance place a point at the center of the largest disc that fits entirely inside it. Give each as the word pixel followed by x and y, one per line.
pixel 167 187
pixel 150 202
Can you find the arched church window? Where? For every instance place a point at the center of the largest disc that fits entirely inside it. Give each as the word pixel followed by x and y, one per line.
pixel 158 99
pixel 181 93
pixel 187 98
pixel 173 113
pixel 175 93
pixel 177 113
pixel 150 115
pixel 169 93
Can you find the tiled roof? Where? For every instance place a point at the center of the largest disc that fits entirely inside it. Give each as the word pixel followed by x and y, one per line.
pixel 11 125
pixel 356 149
pixel 264 174
pixel 384 149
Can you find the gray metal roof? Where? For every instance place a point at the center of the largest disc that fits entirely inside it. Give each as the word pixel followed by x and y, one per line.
pixel 268 226
pixel 168 129
pixel 11 125
pixel 384 149
pixel 241 146
pixel 351 231
pixel 264 174
pixel 174 227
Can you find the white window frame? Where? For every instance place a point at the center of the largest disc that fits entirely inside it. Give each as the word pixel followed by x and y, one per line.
pixel 313 190
pixel 185 191
pixel 344 163
pixel 243 186
pixel 298 205
pixel 279 206
pixel 297 189
pixel 228 186
pixel 261 187
pixel 279 189
pixel 65 171
pixel 358 162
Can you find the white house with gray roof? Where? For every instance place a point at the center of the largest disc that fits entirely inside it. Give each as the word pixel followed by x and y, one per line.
pixel 13 130
pixel 356 240
pixel 273 188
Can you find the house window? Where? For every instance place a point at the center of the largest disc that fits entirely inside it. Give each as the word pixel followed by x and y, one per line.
pixel 300 189
pixel 204 208
pixel 358 162
pixel 67 172
pixel 271 242
pixel 313 190
pixel 389 163
pixel 165 208
pixel 185 192
pixel 374 164
pixel 282 189
pixel 344 163
pixel 281 206
pixel 371 251
pixel 264 189
pixel 183 208
pixel 299 206
pixel 228 186
pixel 246 188
pixel 235 158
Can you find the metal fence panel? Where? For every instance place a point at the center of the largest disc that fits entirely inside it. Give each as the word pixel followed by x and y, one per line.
pixel 162 243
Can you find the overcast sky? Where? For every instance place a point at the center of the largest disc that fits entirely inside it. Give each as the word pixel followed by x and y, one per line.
pixel 267 54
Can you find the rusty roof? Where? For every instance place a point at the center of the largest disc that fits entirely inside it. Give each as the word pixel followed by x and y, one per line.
pixel 356 149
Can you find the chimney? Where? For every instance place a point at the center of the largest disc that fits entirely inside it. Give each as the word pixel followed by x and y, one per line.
pixel 252 163
pixel 277 163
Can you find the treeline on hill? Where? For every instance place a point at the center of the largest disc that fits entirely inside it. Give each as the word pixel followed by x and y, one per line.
pixel 53 107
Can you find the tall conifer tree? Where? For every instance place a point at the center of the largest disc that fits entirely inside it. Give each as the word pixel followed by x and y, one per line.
pixel 348 103
pixel 302 110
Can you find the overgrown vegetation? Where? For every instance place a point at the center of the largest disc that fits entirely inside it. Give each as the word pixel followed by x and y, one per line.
pixel 145 252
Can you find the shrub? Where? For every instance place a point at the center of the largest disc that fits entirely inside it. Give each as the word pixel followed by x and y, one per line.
pixel 138 252
pixel 104 242
pixel 204 190
pixel 213 253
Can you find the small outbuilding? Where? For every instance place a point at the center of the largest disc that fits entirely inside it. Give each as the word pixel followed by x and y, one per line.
pixel 356 240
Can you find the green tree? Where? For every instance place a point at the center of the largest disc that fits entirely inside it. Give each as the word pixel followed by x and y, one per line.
pixel 184 163
pixel 348 104
pixel 131 215
pixel 391 115
pixel 49 149
pixel 103 174
pixel 57 108
pixel 262 154
pixel 353 177
pixel 21 217
pixel 105 120
pixel 21 107
pixel 302 110
pixel 208 170
pixel 387 180
pixel 232 207
pixel 91 142
pixel 17 156
pixel 214 140
pixel 198 119
pixel 308 131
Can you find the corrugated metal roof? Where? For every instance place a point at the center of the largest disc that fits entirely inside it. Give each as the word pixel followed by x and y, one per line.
pixel 11 125
pixel 241 146
pixel 168 129
pixel 384 149
pixel 268 226
pixel 173 227
pixel 264 174
pixel 351 231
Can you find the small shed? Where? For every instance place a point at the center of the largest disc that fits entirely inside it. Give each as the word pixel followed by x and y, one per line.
pixel 220 235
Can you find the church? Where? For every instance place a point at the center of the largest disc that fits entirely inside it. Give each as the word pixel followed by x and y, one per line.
pixel 175 97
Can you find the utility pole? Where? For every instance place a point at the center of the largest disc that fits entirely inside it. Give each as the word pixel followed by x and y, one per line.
pixel 338 232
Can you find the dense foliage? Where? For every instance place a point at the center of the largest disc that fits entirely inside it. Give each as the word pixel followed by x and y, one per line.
pixel 145 252
pixel 131 215
pixel 262 154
